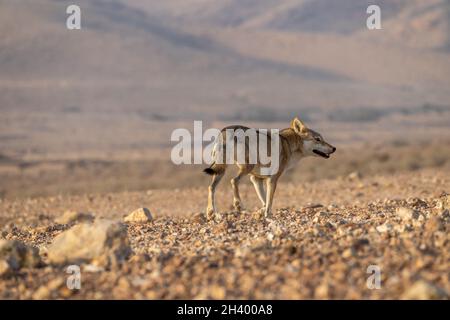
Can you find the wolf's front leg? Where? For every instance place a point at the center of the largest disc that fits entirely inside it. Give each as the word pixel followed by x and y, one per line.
pixel 211 208
pixel 237 202
pixel 271 184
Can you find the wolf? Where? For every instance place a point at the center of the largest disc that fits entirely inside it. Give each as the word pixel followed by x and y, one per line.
pixel 295 143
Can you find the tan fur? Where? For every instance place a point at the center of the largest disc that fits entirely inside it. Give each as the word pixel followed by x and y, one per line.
pixel 296 142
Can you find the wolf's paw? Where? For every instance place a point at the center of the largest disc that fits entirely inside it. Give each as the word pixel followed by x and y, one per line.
pixel 237 205
pixel 259 214
pixel 269 220
pixel 268 215
pixel 210 213
pixel 218 217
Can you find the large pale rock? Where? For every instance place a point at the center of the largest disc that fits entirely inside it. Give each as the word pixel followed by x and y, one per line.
pixel 15 255
pixel 422 290
pixel 141 215
pixel 104 243
pixel 74 216
pixel 4 267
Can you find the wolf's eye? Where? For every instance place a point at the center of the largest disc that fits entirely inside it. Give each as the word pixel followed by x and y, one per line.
pixel 317 139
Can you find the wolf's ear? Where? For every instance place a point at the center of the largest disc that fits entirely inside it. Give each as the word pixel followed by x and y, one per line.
pixel 298 126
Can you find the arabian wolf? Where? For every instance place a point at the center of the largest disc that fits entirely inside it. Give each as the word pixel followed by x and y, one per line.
pixel 295 142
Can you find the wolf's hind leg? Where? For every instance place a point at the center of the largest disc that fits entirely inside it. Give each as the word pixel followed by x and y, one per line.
pixel 259 187
pixel 237 202
pixel 211 209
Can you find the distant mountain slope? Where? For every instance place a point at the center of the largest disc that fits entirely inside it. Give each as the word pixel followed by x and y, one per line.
pixel 420 24
pixel 423 23
pixel 205 58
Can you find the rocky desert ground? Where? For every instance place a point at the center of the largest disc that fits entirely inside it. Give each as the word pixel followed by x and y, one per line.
pixel 323 242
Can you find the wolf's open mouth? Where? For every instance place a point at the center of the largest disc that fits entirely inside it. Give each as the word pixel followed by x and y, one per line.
pixel 322 154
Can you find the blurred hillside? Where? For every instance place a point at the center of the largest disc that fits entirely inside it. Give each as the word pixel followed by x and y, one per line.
pixel 197 58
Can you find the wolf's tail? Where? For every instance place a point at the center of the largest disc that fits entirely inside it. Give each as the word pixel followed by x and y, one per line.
pixel 215 169
pixel 217 154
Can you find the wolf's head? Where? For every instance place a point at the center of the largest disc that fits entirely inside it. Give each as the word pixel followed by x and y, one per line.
pixel 313 142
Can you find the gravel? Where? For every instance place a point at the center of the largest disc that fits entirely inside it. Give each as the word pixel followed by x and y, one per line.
pixel 400 225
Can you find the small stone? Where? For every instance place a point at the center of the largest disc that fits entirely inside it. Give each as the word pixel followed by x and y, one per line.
pixel 444 202
pixel 400 228
pixel 48 290
pixel 277 229
pixel 221 227
pixel 355 175
pixel 18 255
pixel 91 268
pixel 258 214
pixel 406 213
pixel 422 290
pixel 74 216
pixel 445 214
pixel 324 214
pixel 434 224
pixel 314 206
pixel 151 294
pixel 42 293
pixel 347 253
pixel 122 289
pixel 243 250
pixel 322 291
pixel 217 292
pixel 43 250
pixel 51 288
pixel 141 215
pixel 199 218
pixel 359 243
pixel 386 227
